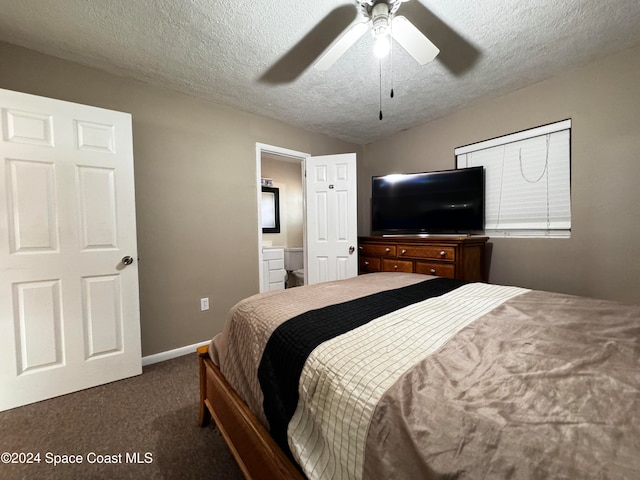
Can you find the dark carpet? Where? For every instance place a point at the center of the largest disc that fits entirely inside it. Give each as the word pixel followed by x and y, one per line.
pixel 145 427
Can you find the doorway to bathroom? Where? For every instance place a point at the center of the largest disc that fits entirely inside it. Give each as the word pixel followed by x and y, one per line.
pixel 329 218
pixel 282 258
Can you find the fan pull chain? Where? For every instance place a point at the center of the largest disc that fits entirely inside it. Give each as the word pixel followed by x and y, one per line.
pixel 380 77
pixel 391 66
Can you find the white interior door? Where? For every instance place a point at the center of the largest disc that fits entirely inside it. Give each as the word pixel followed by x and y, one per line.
pixel 69 307
pixel 331 218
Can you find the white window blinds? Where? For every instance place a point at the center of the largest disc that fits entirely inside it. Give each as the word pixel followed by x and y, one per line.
pixel 527 180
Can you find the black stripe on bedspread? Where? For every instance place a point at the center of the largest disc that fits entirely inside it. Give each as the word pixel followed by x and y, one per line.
pixel 293 341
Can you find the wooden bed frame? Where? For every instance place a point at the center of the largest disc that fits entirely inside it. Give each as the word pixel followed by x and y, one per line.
pixel 257 454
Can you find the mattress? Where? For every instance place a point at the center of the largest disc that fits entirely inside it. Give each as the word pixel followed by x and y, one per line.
pixel 394 375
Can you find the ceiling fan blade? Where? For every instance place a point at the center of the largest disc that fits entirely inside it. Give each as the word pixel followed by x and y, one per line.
pixel 458 54
pixel 346 40
pixel 304 53
pixel 413 41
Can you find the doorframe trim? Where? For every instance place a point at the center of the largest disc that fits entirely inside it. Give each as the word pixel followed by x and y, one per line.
pixel 293 156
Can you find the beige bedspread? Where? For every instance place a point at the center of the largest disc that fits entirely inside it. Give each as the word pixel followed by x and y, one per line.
pixel 541 386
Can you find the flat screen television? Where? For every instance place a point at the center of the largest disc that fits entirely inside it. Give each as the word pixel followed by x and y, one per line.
pixel 442 202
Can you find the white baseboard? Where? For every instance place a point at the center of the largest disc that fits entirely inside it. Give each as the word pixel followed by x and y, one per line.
pixel 178 352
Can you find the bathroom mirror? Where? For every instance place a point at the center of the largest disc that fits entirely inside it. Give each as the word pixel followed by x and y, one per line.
pixel 270 210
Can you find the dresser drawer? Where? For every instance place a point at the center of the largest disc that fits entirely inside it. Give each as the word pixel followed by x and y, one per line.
pixel 434 252
pixel 378 250
pixel 370 264
pixel 273 254
pixel 392 265
pixel 276 276
pixel 447 270
pixel 277 264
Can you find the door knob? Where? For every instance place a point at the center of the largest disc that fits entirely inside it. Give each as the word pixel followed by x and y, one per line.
pixel 352 249
pixel 127 260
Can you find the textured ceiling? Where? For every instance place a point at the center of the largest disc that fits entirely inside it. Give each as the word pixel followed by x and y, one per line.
pixel 253 54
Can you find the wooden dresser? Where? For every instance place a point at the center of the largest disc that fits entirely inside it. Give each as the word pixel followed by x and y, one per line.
pixel 458 257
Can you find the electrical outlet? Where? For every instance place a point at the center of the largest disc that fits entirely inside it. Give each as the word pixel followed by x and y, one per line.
pixel 204 304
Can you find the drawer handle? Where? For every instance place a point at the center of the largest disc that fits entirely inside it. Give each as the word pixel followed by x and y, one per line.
pixel 366 263
pixel 360 248
pixel 403 252
pixel 395 267
pixel 432 271
pixel 443 253
pixel 387 249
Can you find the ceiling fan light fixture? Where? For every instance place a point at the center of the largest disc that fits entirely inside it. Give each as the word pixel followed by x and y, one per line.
pixel 380 20
pixel 380 16
pixel 382 46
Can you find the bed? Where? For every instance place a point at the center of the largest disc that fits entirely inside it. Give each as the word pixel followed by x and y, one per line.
pixel 393 375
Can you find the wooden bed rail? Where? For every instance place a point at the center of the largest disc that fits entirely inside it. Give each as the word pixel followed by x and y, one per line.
pixel 258 456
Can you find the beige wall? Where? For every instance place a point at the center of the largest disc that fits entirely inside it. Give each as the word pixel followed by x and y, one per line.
pixel 196 190
pixel 602 257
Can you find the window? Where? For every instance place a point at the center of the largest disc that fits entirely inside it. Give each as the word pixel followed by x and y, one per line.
pixel 527 181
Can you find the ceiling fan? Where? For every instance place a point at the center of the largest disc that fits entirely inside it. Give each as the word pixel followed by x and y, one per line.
pixel 380 17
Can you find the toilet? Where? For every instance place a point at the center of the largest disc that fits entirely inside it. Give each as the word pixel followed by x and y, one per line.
pixel 294 265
